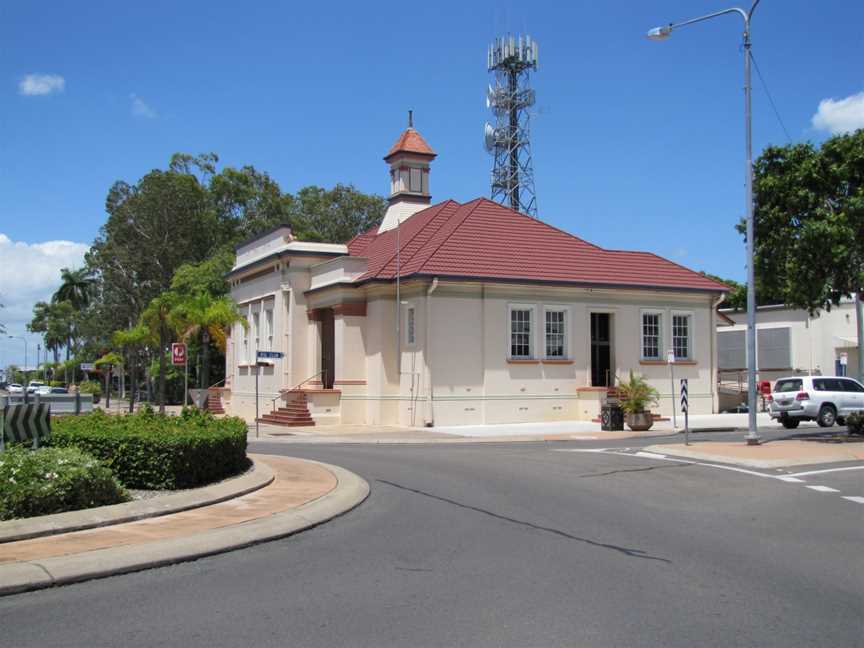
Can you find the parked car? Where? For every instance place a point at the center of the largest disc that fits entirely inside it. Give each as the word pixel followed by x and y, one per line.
pixel 59 390
pixel 42 390
pixel 824 399
pixel 33 385
pixel 15 388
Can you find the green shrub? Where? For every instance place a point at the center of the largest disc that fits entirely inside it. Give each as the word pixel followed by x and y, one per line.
pixel 855 423
pixel 90 387
pixel 53 480
pixel 156 451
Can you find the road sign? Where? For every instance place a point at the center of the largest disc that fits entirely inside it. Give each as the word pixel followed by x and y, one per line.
pixel 199 397
pixel 270 354
pixel 178 353
pixel 670 356
pixel 27 422
pixel 683 394
pixel 685 408
pixel 87 366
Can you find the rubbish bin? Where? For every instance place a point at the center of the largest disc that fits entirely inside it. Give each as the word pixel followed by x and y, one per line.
pixel 611 418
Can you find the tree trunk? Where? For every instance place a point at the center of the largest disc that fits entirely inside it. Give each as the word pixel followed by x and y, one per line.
pixel 134 384
pixel 205 360
pixel 108 388
pixel 162 343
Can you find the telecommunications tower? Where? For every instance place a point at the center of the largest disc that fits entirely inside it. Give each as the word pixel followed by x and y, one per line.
pixel 510 59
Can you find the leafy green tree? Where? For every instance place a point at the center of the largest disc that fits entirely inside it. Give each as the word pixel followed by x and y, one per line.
pixel 809 220
pixel 153 227
pixel 132 341
pixel 158 320
pixel 108 362
pixel 208 318
pixel 335 215
pixel 207 276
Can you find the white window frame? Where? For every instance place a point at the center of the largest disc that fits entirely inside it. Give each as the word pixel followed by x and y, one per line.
pixel 268 327
pixel 532 331
pixel 660 340
pixel 411 325
pixel 690 319
pixel 557 308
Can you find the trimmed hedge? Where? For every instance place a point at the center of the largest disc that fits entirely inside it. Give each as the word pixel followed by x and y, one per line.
pixel 156 451
pixel 53 480
pixel 855 423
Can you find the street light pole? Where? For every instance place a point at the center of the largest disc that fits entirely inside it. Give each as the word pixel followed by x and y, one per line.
pixel 661 33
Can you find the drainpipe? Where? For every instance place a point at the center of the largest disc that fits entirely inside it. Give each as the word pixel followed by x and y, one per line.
pixel 427 351
pixel 715 365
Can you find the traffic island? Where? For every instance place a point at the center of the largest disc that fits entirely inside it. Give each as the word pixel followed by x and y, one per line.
pixel 772 454
pixel 301 495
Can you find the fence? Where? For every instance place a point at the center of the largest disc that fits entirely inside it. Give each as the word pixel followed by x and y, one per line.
pixel 60 403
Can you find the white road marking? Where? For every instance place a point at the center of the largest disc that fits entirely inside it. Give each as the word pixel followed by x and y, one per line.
pixel 827 470
pixel 650 455
pixel 584 438
pixel 824 489
pixel 582 450
pixel 857 500
pixel 787 478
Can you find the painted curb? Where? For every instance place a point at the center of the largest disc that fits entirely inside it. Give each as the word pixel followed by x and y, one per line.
pixel 258 476
pixel 350 491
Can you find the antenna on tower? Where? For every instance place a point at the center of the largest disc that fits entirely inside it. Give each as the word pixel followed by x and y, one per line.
pixel 510 60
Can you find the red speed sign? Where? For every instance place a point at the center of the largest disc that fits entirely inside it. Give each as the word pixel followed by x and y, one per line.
pixel 178 353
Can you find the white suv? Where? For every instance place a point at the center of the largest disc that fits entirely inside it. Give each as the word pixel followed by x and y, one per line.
pixel 824 399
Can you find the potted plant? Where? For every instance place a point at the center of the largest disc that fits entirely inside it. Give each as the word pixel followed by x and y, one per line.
pixel 636 396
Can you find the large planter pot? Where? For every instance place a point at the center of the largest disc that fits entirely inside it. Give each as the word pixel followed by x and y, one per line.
pixel 640 421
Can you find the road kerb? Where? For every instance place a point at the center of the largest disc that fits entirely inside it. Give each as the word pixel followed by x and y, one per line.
pixel 350 491
pixel 258 476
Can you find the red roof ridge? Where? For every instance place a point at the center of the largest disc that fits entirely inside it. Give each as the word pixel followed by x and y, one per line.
pixel 542 222
pixel 477 202
pixel 438 207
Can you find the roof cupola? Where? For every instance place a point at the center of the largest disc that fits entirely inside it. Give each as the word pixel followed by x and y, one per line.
pixel 409 160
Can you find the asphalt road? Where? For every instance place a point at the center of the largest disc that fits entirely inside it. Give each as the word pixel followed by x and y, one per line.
pixel 504 545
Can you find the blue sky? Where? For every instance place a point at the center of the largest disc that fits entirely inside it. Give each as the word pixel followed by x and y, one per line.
pixel 637 145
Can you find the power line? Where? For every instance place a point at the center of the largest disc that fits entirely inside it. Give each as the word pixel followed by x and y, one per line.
pixel 770 98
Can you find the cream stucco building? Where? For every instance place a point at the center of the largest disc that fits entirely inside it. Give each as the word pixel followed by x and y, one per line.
pixel 453 314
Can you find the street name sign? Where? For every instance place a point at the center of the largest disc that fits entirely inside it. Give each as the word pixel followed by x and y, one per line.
pixel 87 366
pixel 272 355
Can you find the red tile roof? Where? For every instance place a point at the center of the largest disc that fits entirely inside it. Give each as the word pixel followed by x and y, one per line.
pixel 484 240
pixel 410 142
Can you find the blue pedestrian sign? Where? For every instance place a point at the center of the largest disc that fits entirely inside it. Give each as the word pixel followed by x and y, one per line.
pixel 270 354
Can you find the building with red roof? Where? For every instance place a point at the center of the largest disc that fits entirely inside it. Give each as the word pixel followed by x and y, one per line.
pixel 460 313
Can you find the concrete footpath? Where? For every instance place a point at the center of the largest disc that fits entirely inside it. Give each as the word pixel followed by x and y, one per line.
pixel 300 495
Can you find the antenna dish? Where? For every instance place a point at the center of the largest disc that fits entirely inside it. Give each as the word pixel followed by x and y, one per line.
pixel 489 137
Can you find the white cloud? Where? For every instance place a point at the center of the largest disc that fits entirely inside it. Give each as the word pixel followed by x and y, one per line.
pixel 841 115
pixel 31 272
pixel 141 109
pixel 41 84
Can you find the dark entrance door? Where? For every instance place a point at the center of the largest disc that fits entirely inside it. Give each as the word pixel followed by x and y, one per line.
pixel 328 356
pixel 601 351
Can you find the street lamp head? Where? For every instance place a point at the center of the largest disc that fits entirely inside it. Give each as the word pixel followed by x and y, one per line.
pixel 659 33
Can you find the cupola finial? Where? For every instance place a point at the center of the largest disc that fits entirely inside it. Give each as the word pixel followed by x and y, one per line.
pixel 410 119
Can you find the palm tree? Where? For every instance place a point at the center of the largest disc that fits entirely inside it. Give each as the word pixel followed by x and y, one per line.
pixel 208 317
pixel 109 360
pixel 76 287
pixel 158 320
pixel 131 341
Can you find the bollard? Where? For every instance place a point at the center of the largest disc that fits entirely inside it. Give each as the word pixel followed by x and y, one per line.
pixel 77 402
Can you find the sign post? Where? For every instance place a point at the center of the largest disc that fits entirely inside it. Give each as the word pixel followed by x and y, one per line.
pixel 685 407
pixel 670 359
pixel 179 357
